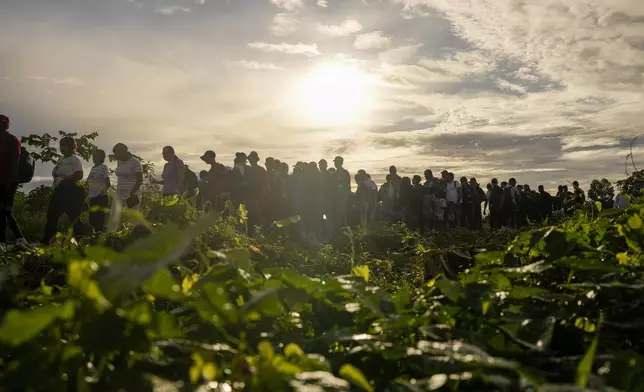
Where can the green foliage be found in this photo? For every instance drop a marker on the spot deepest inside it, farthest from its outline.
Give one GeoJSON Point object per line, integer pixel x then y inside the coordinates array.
{"type": "Point", "coordinates": [193, 303]}
{"type": "Point", "coordinates": [47, 149]}
{"type": "Point", "coordinates": [601, 191]}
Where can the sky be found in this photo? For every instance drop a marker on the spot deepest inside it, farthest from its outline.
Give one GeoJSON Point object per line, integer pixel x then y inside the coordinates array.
{"type": "Point", "coordinates": [547, 91]}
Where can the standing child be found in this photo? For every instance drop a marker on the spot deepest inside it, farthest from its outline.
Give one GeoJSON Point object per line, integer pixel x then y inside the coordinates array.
{"type": "Point", "coordinates": [98, 182]}
{"type": "Point", "coordinates": [69, 196]}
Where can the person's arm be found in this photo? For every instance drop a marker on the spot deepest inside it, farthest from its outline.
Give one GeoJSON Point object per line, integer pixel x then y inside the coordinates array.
{"type": "Point", "coordinates": [138, 172]}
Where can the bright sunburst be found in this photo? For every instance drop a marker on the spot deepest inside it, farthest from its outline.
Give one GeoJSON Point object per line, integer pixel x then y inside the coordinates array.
{"type": "Point", "coordinates": [334, 94]}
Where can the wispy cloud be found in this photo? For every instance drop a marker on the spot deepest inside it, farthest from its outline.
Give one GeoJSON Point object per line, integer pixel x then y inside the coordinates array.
{"type": "Point", "coordinates": [323, 3]}
{"type": "Point", "coordinates": [348, 27]}
{"type": "Point", "coordinates": [299, 48]}
{"type": "Point", "coordinates": [284, 24]}
{"type": "Point", "coordinates": [257, 66]}
{"type": "Point", "coordinates": [372, 40]}
{"type": "Point", "coordinates": [289, 5]}
{"type": "Point", "coordinates": [172, 10]}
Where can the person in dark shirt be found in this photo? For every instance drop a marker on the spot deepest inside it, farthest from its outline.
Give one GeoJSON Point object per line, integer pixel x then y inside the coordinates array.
{"type": "Point", "coordinates": [342, 184]}
{"type": "Point", "coordinates": [418, 193]}
{"type": "Point", "coordinates": [404, 199]}
{"type": "Point", "coordinates": [478, 197]}
{"type": "Point", "coordinates": [257, 179]}
{"type": "Point", "coordinates": [467, 203]}
{"type": "Point", "coordinates": [579, 195]}
{"type": "Point", "coordinates": [218, 182]}
{"type": "Point", "coordinates": [545, 203]}
{"type": "Point", "coordinates": [10, 151]}
{"type": "Point", "coordinates": [496, 204]}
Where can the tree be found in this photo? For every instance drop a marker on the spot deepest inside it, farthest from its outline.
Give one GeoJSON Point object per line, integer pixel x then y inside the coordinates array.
{"type": "Point", "coordinates": [632, 185]}
{"type": "Point", "coordinates": [601, 191]}
{"type": "Point", "coordinates": [47, 149]}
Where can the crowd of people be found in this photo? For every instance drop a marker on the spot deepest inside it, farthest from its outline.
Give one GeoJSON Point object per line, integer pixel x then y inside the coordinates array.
{"type": "Point", "coordinates": [320, 195]}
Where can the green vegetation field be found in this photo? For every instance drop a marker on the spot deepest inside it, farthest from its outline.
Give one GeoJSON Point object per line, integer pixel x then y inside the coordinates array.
{"type": "Point", "coordinates": [189, 304]}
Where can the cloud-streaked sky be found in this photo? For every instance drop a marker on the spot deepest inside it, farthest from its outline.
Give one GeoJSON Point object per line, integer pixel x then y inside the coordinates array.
{"type": "Point", "coordinates": [547, 91]}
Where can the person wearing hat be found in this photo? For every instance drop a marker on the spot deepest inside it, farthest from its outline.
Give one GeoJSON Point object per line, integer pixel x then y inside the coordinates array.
{"type": "Point", "coordinates": [217, 181]}
{"type": "Point", "coordinates": [342, 182]}
{"type": "Point", "coordinates": [10, 151]}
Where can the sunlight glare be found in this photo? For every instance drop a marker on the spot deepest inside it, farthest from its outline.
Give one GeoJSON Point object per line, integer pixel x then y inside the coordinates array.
{"type": "Point", "coordinates": [334, 94]}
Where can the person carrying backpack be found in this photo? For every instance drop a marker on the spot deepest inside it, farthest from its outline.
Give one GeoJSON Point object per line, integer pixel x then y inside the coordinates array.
{"type": "Point", "coordinates": [10, 161]}
{"type": "Point", "coordinates": [174, 173]}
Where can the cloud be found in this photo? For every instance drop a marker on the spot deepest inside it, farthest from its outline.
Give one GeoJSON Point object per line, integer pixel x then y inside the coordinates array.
{"type": "Point", "coordinates": [172, 10]}
{"type": "Point", "coordinates": [400, 55]}
{"type": "Point", "coordinates": [348, 27]}
{"type": "Point", "coordinates": [289, 5]}
{"type": "Point", "coordinates": [300, 48]}
{"type": "Point", "coordinates": [323, 3]}
{"type": "Point", "coordinates": [254, 65]}
{"type": "Point", "coordinates": [372, 40]}
{"type": "Point", "coordinates": [284, 24]}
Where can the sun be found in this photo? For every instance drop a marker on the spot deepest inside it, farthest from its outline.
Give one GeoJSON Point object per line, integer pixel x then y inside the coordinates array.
{"type": "Point", "coordinates": [333, 95]}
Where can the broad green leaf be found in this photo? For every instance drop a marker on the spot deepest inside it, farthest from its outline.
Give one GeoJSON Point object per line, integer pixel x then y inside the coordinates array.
{"type": "Point", "coordinates": [265, 350]}
{"type": "Point", "coordinates": [355, 377]}
{"type": "Point", "coordinates": [19, 326]}
{"type": "Point", "coordinates": [288, 221]}
{"type": "Point", "coordinates": [241, 258]}
{"type": "Point", "coordinates": [361, 271]}
{"type": "Point", "coordinates": [451, 289]}
{"type": "Point", "coordinates": [293, 350]}
{"type": "Point", "coordinates": [586, 365]}
{"type": "Point", "coordinates": [209, 371]}
{"type": "Point", "coordinates": [163, 285]}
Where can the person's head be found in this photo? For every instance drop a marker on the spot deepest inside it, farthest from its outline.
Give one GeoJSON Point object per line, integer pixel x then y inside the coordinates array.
{"type": "Point", "coordinates": [253, 158]}
{"type": "Point", "coordinates": [5, 123]}
{"type": "Point", "coordinates": [67, 146]}
{"type": "Point", "coordinates": [363, 174]}
{"type": "Point", "coordinates": [406, 181]}
{"type": "Point", "coordinates": [209, 157]}
{"type": "Point", "coordinates": [392, 170]}
{"type": "Point", "coordinates": [338, 162]}
{"type": "Point", "coordinates": [121, 152]}
{"type": "Point", "coordinates": [512, 182]}
{"type": "Point", "coordinates": [168, 153]}
{"type": "Point", "coordinates": [284, 168]}
{"type": "Point", "coordinates": [463, 180]}
{"type": "Point", "coordinates": [560, 188]}
{"type": "Point", "coordinates": [269, 162]}
{"type": "Point", "coordinates": [575, 184]}
{"type": "Point", "coordinates": [540, 188]}
{"type": "Point", "coordinates": [388, 178]}
{"type": "Point", "coordinates": [323, 165]}
{"type": "Point", "coordinates": [332, 170]}
{"type": "Point", "coordinates": [504, 184]}
{"type": "Point", "coordinates": [98, 157]}
{"type": "Point", "coordinates": [444, 175]}
{"type": "Point", "coordinates": [203, 175]}
{"type": "Point", "coordinates": [489, 186]}
{"type": "Point", "coordinates": [428, 174]}
{"type": "Point", "coordinates": [495, 181]}
{"type": "Point", "coordinates": [416, 180]}
{"type": "Point", "coordinates": [473, 182]}
{"type": "Point", "coordinates": [526, 188]}
{"type": "Point", "coordinates": [565, 188]}
{"type": "Point", "coordinates": [357, 178]}
{"type": "Point", "coordinates": [450, 176]}
{"type": "Point", "coordinates": [241, 158]}
{"type": "Point", "coordinates": [520, 187]}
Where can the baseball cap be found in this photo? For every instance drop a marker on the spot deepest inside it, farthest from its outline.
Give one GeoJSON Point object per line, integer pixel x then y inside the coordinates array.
{"type": "Point", "coordinates": [208, 155]}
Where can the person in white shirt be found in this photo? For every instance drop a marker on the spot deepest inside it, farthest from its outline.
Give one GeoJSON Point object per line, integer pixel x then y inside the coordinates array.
{"type": "Point", "coordinates": [129, 177]}
{"type": "Point", "coordinates": [453, 198]}
{"type": "Point", "coordinates": [98, 182]}
{"type": "Point", "coordinates": [69, 196]}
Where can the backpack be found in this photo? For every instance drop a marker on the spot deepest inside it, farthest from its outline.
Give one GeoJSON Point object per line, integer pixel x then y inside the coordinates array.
{"type": "Point", "coordinates": [26, 167]}
{"type": "Point", "coordinates": [496, 197]}
{"type": "Point", "coordinates": [191, 182]}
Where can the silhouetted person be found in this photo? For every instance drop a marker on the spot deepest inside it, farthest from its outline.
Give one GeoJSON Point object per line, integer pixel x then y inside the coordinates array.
{"type": "Point", "coordinates": [342, 184]}
{"type": "Point", "coordinates": [545, 203]}
{"type": "Point", "coordinates": [98, 182]}
{"type": "Point", "coordinates": [467, 203]}
{"type": "Point", "coordinates": [129, 177]}
{"type": "Point", "coordinates": [496, 204]}
{"type": "Point", "coordinates": [478, 197]}
{"type": "Point", "coordinates": [218, 181]}
{"type": "Point", "coordinates": [174, 173]}
{"type": "Point", "coordinates": [257, 179]}
{"type": "Point", "coordinates": [10, 152]}
{"type": "Point", "coordinates": [418, 193]}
